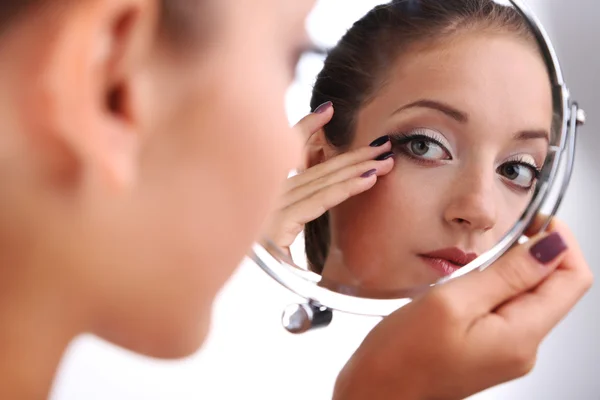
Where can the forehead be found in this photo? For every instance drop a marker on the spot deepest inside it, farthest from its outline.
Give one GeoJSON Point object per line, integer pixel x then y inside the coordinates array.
{"type": "Point", "coordinates": [490, 77]}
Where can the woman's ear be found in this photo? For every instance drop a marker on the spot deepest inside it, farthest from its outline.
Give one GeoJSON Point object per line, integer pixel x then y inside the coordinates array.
{"type": "Point", "coordinates": [89, 99]}
{"type": "Point", "coordinates": [317, 150]}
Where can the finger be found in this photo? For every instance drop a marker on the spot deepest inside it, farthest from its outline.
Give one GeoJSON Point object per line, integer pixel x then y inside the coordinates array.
{"type": "Point", "coordinates": [380, 168]}
{"type": "Point", "coordinates": [540, 310]}
{"type": "Point", "coordinates": [536, 224]}
{"type": "Point", "coordinates": [518, 271]}
{"type": "Point", "coordinates": [317, 204]}
{"type": "Point", "coordinates": [311, 123]}
{"type": "Point", "coordinates": [313, 149]}
{"type": "Point", "coordinates": [338, 162]}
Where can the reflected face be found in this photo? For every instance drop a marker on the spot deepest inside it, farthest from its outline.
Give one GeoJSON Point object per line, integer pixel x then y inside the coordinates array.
{"type": "Point", "coordinates": [470, 121]}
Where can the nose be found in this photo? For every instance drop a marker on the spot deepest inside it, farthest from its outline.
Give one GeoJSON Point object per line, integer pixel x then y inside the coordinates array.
{"type": "Point", "coordinates": [472, 203]}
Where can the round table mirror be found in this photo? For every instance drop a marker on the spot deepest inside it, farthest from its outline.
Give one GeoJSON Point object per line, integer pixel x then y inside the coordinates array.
{"type": "Point", "coordinates": [470, 129]}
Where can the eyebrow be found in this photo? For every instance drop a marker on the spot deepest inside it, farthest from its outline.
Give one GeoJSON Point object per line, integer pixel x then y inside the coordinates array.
{"type": "Point", "coordinates": [450, 111]}
{"type": "Point", "coordinates": [535, 134]}
{"type": "Point", "coordinates": [463, 118]}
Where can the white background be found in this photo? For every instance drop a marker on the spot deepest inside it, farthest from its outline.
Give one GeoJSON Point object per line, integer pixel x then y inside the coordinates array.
{"type": "Point", "coordinates": [249, 356]}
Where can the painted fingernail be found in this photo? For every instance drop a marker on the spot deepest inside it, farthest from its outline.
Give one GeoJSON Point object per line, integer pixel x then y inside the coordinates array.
{"type": "Point", "coordinates": [548, 248]}
{"type": "Point", "coordinates": [384, 156]}
{"type": "Point", "coordinates": [323, 107]}
{"type": "Point", "coordinates": [369, 173]}
{"type": "Point", "coordinates": [380, 141]}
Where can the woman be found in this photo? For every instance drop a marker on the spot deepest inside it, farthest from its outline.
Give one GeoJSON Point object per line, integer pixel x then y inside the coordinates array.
{"type": "Point", "coordinates": [462, 92]}
{"type": "Point", "coordinates": [128, 125]}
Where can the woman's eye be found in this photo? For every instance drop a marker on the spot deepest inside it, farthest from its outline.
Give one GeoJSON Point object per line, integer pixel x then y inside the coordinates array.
{"type": "Point", "coordinates": [427, 149]}
{"type": "Point", "coordinates": [521, 175]}
{"type": "Point", "coordinates": [422, 145]}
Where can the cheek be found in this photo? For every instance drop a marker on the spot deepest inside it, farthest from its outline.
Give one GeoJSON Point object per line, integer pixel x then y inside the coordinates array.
{"type": "Point", "coordinates": [211, 177]}
{"type": "Point", "coordinates": [261, 147]}
{"type": "Point", "coordinates": [399, 206]}
{"type": "Point", "coordinates": [252, 151]}
{"type": "Point", "coordinates": [510, 207]}
{"type": "Point", "coordinates": [381, 229]}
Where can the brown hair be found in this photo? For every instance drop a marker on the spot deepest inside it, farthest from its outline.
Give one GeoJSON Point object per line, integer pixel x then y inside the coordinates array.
{"type": "Point", "coordinates": [355, 69]}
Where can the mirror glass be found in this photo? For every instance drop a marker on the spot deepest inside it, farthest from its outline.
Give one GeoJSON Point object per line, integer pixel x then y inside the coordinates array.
{"type": "Point", "coordinates": [444, 117]}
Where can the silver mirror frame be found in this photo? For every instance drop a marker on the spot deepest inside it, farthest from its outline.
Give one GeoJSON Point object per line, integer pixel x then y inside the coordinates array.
{"type": "Point", "coordinates": [324, 298]}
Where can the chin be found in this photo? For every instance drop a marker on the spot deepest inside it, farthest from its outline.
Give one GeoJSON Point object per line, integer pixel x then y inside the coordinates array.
{"type": "Point", "coordinates": [182, 344]}
{"type": "Point", "coordinates": [168, 341]}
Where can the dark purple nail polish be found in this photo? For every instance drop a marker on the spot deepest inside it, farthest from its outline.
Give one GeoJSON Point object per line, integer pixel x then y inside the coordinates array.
{"type": "Point", "coordinates": [369, 173]}
{"type": "Point", "coordinates": [384, 156]}
{"type": "Point", "coordinates": [323, 107]}
{"type": "Point", "coordinates": [548, 248]}
{"type": "Point", "coordinates": [380, 141]}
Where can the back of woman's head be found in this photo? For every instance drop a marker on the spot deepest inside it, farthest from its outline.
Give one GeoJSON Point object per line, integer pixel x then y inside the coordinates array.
{"type": "Point", "coordinates": [356, 68]}
{"type": "Point", "coordinates": [174, 14]}
{"type": "Point", "coordinates": [120, 131]}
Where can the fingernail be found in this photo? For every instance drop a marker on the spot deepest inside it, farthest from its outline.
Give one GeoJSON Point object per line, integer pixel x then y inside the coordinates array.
{"type": "Point", "coordinates": [548, 248]}
{"type": "Point", "coordinates": [380, 141]}
{"type": "Point", "coordinates": [369, 173]}
{"type": "Point", "coordinates": [323, 107]}
{"type": "Point", "coordinates": [384, 156]}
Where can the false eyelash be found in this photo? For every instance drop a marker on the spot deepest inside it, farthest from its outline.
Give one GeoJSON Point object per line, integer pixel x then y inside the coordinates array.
{"type": "Point", "coordinates": [400, 139]}
{"type": "Point", "coordinates": [520, 160]}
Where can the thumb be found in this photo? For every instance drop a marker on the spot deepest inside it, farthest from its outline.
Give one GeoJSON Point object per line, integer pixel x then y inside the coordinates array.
{"type": "Point", "coordinates": [518, 271]}
{"type": "Point", "coordinates": [314, 121]}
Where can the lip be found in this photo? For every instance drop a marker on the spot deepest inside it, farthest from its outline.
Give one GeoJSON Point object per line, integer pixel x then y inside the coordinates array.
{"type": "Point", "coordinates": [447, 261]}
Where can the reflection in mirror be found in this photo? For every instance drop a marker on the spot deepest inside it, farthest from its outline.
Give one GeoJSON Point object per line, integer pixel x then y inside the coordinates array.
{"type": "Point", "coordinates": [441, 120]}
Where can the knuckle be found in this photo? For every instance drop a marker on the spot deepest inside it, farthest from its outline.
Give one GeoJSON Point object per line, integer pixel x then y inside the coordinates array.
{"type": "Point", "coordinates": [587, 278]}
{"type": "Point", "coordinates": [443, 306]}
{"type": "Point", "coordinates": [522, 359]}
{"type": "Point", "coordinates": [302, 126]}
{"type": "Point", "coordinates": [338, 194]}
{"type": "Point", "coordinates": [358, 169]}
{"type": "Point", "coordinates": [322, 181]}
{"type": "Point", "coordinates": [515, 274]}
{"type": "Point", "coordinates": [556, 224]}
{"type": "Point", "coordinates": [360, 153]}
{"type": "Point", "coordinates": [350, 189]}
{"type": "Point", "coordinates": [320, 209]}
{"type": "Point", "coordinates": [340, 161]}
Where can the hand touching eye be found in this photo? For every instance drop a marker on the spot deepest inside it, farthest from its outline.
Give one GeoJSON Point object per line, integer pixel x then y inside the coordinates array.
{"type": "Point", "coordinates": [320, 187]}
